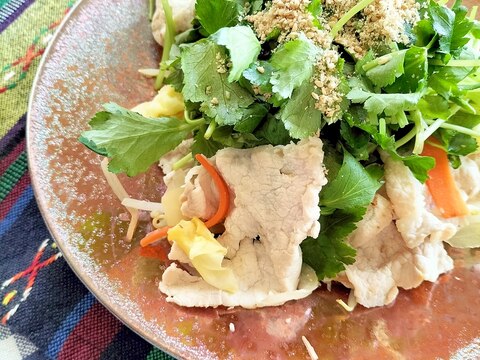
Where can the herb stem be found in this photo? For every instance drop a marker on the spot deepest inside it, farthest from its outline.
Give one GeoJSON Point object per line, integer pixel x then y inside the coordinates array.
{"type": "Point", "coordinates": [382, 60]}
{"type": "Point", "coordinates": [351, 13]}
{"type": "Point", "coordinates": [187, 119]}
{"type": "Point", "coordinates": [151, 9]}
{"type": "Point", "coordinates": [455, 63]}
{"type": "Point", "coordinates": [409, 136]}
{"type": "Point", "coordinates": [420, 125]}
{"type": "Point", "coordinates": [167, 42]}
{"type": "Point", "coordinates": [473, 13]}
{"type": "Point", "coordinates": [211, 128]}
{"type": "Point", "coordinates": [430, 44]}
{"type": "Point", "coordinates": [457, 128]}
{"type": "Point", "coordinates": [184, 161]}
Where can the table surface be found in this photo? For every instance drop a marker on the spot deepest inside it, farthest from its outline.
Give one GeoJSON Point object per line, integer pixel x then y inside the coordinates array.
{"type": "Point", "coordinates": [46, 312]}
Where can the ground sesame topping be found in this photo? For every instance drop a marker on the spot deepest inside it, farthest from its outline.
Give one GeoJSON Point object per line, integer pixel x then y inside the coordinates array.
{"type": "Point", "coordinates": [290, 18]}
{"type": "Point", "coordinates": [379, 23]}
{"type": "Point", "coordinates": [327, 82]}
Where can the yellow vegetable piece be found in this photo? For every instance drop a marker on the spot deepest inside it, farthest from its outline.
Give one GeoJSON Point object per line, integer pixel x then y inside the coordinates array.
{"type": "Point", "coordinates": [205, 253]}
{"type": "Point", "coordinates": [166, 103]}
{"type": "Point", "coordinates": [171, 199]}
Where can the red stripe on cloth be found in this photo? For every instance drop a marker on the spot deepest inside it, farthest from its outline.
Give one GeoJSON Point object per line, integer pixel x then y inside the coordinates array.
{"type": "Point", "coordinates": [12, 156]}
{"type": "Point", "coordinates": [14, 195]}
{"type": "Point", "coordinates": [94, 332]}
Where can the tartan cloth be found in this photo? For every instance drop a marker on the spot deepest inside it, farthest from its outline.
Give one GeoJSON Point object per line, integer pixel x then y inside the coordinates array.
{"type": "Point", "coordinates": [46, 312]}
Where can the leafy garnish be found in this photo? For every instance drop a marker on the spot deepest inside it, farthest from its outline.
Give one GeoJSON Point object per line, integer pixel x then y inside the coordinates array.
{"type": "Point", "coordinates": [299, 115]}
{"type": "Point", "coordinates": [390, 104]}
{"type": "Point", "coordinates": [243, 46]}
{"type": "Point", "coordinates": [132, 141]}
{"type": "Point", "coordinates": [216, 14]}
{"type": "Point", "coordinates": [344, 200]}
{"type": "Point", "coordinates": [293, 64]}
{"type": "Point", "coordinates": [205, 81]}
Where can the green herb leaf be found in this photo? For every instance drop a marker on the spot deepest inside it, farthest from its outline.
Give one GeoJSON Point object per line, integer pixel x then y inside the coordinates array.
{"type": "Point", "coordinates": [329, 253]}
{"type": "Point", "coordinates": [274, 132]}
{"type": "Point", "coordinates": [243, 46]}
{"type": "Point", "coordinates": [390, 104]}
{"type": "Point", "coordinates": [259, 74]}
{"type": "Point", "coordinates": [252, 117]}
{"type": "Point", "coordinates": [384, 70]}
{"type": "Point", "coordinates": [299, 115]}
{"type": "Point", "coordinates": [415, 72]}
{"type": "Point", "coordinates": [132, 141]}
{"type": "Point", "coordinates": [353, 186]}
{"type": "Point", "coordinates": [203, 146]}
{"type": "Point", "coordinates": [216, 14]}
{"type": "Point", "coordinates": [221, 100]}
{"type": "Point", "coordinates": [293, 63]}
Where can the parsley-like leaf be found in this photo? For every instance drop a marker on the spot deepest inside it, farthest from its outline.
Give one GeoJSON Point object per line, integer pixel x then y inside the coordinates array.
{"type": "Point", "coordinates": [329, 253]}
{"type": "Point", "coordinates": [390, 104]}
{"type": "Point", "coordinates": [351, 188]}
{"type": "Point", "coordinates": [216, 14]}
{"type": "Point", "coordinates": [293, 63]}
{"type": "Point", "coordinates": [221, 100]}
{"type": "Point", "coordinates": [132, 141]}
{"type": "Point", "coordinates": [384, 70]}
{"type": "Point", "coordinates": [299, 115]}
{"type": "Point", "coordinates": [243, 46]}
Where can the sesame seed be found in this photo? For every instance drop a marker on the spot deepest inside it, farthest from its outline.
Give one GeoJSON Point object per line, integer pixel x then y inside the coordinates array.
{"type": "Point", "coordinates": [214, 101]}
{"type": "Point", "coordinates": [261, 69]}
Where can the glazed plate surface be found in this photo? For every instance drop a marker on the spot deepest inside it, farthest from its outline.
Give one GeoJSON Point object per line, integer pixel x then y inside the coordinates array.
{"type": "Point", "coordinates": [93, 60]}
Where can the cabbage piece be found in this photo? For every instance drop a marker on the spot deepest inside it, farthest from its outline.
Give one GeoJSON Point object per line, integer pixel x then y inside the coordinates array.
{"type": "Point", "coordinates": [167, 102]}
{"type": "Point", "coordinates": [467, 237]}
{"type": "Point", "coordinates": [205, 253]}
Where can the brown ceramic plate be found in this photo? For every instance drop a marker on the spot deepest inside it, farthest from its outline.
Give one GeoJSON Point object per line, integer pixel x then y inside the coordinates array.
{"type": "Point", "coordinates": [93, 60]}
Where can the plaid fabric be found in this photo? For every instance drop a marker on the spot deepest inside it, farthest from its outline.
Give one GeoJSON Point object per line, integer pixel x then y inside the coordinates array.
{"type": "Point", "coordinates": [46, 313]}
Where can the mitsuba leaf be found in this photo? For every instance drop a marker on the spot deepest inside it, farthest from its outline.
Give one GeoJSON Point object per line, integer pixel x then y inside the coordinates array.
{"type": "Point", "coordinates": [132, 141]}
{"type": "Point", "coordinates": [203, 146]}
{"type": "Point", "coordinates": [274, 132]}
{"type": "Point", "coordinates": [415, 72]}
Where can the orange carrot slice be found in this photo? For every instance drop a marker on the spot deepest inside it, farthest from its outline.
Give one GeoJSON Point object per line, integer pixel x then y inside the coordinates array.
{"type": "Point", "coordinates": [219, 216]}
{"type": "Point", "coordinates": [441, 184]}
{"type": "Point", "coordinates": [224, 193]}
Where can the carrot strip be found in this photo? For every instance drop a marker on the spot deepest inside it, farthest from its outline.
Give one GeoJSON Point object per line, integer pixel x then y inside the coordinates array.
{"type": "Point", "coordinates": [223, 192]}
{"type": "Point", "coordinates": [154, 236]}
{"type": "Point", "coordinates": [219, 216]}
{"type": "Point", "coordinates": [441, 184]}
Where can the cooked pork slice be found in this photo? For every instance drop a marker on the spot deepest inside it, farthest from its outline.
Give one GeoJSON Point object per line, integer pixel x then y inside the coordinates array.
{"type": "Point", "coordinates": [183, 12]}
{"type": "Point", "coordinates": [467, 177]}
{"type": "Point", "coordinates": [274, 207]}
{"type": "Point", "coordinates": [200, 197]}
{"type": "Point", "coordinates": [255, 281]}
{"type": "Point", "coordinates": [412, 205]}
{"type": "Point", "coordinates": [384, 263]}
